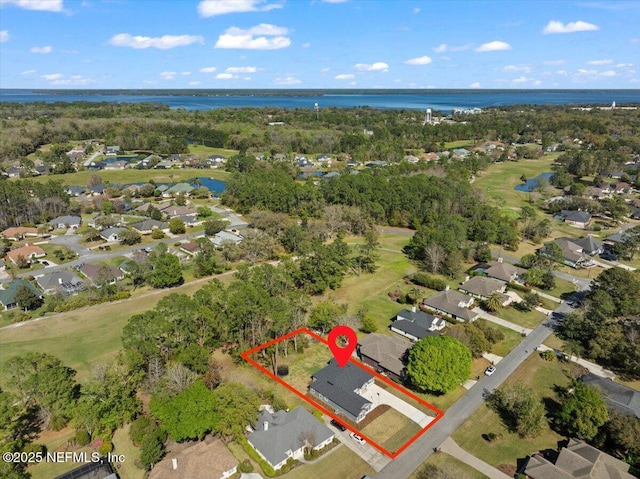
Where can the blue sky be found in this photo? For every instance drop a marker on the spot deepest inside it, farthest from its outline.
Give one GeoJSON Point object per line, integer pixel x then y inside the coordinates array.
{"type": "Point", "coordinates": [319, 44]}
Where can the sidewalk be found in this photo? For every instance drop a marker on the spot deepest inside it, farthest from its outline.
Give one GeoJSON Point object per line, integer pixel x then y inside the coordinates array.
{"type": "Point", "coordinates": [450, 447]}
{"type": "Point", "coordinates": [494, 319]}
{"type": "Point", "coordinates": [546, 296]}
{"type": "Point", "coordinates": [592, 367]}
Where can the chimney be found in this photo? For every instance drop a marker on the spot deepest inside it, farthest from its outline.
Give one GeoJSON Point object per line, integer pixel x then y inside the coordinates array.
{"type": "Point", "coordinates": [446, 288]}
{"type": "Point", "coordinates": [174, 462]}
{"type": "Point", "coordinates": [500, 259]}
{"type": "Point", "coordinates": [466, 278]}
{"type": "Point", "coordinates": [265, 425]}
{"type": "Point", "coordinates": [413, 309]}
{"type": "Point", "coordinates": [59, 280]}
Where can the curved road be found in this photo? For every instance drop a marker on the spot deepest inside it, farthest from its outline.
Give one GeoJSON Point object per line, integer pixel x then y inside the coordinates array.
{"type": "Point", "coordinates": [404, 465]}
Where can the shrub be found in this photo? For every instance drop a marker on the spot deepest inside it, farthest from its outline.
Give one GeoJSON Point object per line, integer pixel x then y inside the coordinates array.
{"type": "Point", "coordinates": [57, 423]}
{"type": "Point", "coordinates": [428, 281]}
{"type": "Point", "coordinates": [105, 448]}
{"type": "Point", "coordinates": [266, 467]}
{"type": "Point", "coordinates": [548, 355]}
{"type": "Point", "coordinates": [519, 287]}
{"type": "Point", "coordinates": [368, 325]}
{"type": "Point", "coordinates": [34, 447]}
{"type": "Point", "coordinates": [157, 234]}
{"type": "Point", "coordinates": [246, 466]}
{"type": "Point", "coordinates": [82, 437]}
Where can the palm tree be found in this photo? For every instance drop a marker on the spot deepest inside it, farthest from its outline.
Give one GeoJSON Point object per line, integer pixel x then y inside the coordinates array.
{"type": "Point", "coordinates": [494, 302]}
{"type": "Point", "coordinates": [573, 348]}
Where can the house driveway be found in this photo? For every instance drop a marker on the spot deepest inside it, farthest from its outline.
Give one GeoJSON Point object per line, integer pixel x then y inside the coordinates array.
{"type": "Point", "coordinates": [378, 396]}
{"type": "Point", "coordinates": [368, 453]}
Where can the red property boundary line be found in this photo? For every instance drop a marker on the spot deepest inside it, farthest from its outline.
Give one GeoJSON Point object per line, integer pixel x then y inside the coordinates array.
{"type": "Point", "coordinates": [439, 414]}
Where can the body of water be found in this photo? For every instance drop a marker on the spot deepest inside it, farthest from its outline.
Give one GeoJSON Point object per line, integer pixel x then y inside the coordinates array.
{"type": "Point", "coordinates": [532, 183]}
{"type": "Point", "coordinates": [441, 100]}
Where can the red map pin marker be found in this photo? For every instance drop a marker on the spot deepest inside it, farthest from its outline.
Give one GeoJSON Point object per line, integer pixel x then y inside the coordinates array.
{"type": "Point", "coordinates": [341, 353]}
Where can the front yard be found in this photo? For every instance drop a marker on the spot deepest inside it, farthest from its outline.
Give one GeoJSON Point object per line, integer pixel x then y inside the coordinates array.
{"type": "Point", "coordinates": [391, 429]}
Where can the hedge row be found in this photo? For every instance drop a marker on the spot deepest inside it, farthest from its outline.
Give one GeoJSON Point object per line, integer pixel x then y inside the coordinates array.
{"type": "Point", "coordinates": [423, 279]}
{"type": "Point", "coordinates": [519, 287]}
{"type": "Point", "coordinates": [266, 467]}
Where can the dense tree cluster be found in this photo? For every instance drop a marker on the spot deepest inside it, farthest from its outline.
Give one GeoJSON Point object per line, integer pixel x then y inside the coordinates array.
{"type": "Point", "coordinates": [520, 409]}
{"type": "Point", "coordinates": [26, 202]}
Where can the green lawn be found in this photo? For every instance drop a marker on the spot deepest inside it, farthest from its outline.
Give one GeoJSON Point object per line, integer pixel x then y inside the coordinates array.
{"type": "Point", "coordinates": [122, 445]}
{"type": "Point", "coordinates": [451, 466]}
{"type": "Point", "coordinates": [339, 463]}
{"type": "Point", "coordinates": [511, 339]}
{"type": "Point", "coordinates": [301, 367]}
{"type": "Point", "coordinates": [391, 430]}
{"type": "Point", "coordinates": [133, 175]}
{"type": "Point", "coordinates": [562, 287]}
{"type": "Point", "coordinates": [531, 319]}
{"type": "Point", "coordinates": [210, 150]}
{"type": "Point", "coordinates": [542, 377]}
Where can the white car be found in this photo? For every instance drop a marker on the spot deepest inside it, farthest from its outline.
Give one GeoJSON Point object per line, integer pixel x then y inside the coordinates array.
{"type": "Point", "coordinates": [489, 371]}
{"type": "Point", "coordinates": [357, 438]}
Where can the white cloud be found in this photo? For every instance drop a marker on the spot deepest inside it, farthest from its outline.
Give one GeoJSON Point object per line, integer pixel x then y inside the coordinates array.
{"type": "Point", "coordinates": [519, 80]}
{"type": "Point", "coordinates": [425, 60]}
{"type": "Point", "coordinates": [561, 72]}
{"type": "Point", "coordinates": [211, 8]}
{"type": "Point", "coordinates": [242, 69]}
{"type": "Point", "coordinates": [235, 37]}
{"type": "Point", "coordinates": [4, 36]}
{"type": "Point", "coordinates": [194, 83]}
{"type": "Point", "coordinates": [288, 80]}
{"type": "Point", "coordinates": [208, 69]}
{"type": "Point", "coordinates": [443, 47]}
{"type": "Point", "coordinates": [475, 85]}
{"type": "Point", "coordinates": [164, 42]}
{"type": "Point", "coordinates": [75, 80]}
{"type": "Point", "coordinates": [571, 27]}
{"type": "Point", "coordinates": [225, 76]}
{"type": "Point", "coordinates": [335, 1]}
{"type": "Point", "coordinates": [45, 5]}
{"type": "Point", "coordinates": [168, 75]}
{"type": "Point", "coordinates": [345, 76]}
{"type": "Point", "coordinates": [624, 65]}
{"type": "Point", "coordinates": [373, 67]}
{"type": "Point", "coordinates": [306, 45]}
{"type": "Point", "coordinates": [493, 46]}
{"type": "Point", "coordinates": [517, 68]}
{"type": "Point", "coordinates": [52, 76]}
{"type": "Point", "coordinates": [416, 10]}
{"type": "Point", "coordinates": [583, 71]}
{"type": "Point", "coordinates": [185, 73]}
{"type": "Point", "coordinates": [325, 70]}
{"type": "Point", "coordinates": [608, 73]}
{"type": "Point", "coordinates": [600, 62]}
{"type": "Point", "coordinates": [555, 62]}
{"type": "Point", "coordinates": [537, 83]}
{"type": "Point", "coordinates": [47, 49]}
{"type": "Point", "coordinates": [28, 72]}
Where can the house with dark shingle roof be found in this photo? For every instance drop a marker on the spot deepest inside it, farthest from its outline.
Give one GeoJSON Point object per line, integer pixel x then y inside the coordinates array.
{"type": "Point", "coordinates": [8, 292]}
{"type": "Point", "coordinates": [100, 274]}
{"type": "Point", "coordinates": [66, 222]}
{"type": "Point", "coordinates": [504, 271]}
{"type": "Point", "coordinates": [482, 287]}
{"type": "Point", "coordinates": [62, 282]}
{"type": "Point", "coordinates": [111, 234]}
{"type": "Point", "coordinates": [281, 435]}
{"type": "Point", "coordinates": [147, 226]}
{"type": "Point", "coordinates": [577, 219]}
{"type": "Point", "coordinates": [622, 398]}
{"type": "Point", "coordinates": [208, 459]}
{"type": "Point", "coordinates": [385, 354]}
{"type": "Point", "coordinates": [415, 324]}
{"type": "Point", "coordinates": [578, 460]}
{"type": "Point", "coordinates": [452, 304]}
{"type": "Point", "coordinates": [341, 388]}
{"type": "Point", "coordinates": [573, 254]}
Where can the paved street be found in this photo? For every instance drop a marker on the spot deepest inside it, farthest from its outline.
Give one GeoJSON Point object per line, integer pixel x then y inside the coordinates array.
{"type": "Point", "coordinates": [404, 465]}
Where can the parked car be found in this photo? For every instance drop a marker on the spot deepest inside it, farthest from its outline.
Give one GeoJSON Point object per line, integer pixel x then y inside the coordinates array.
{"type": "Point", "coordinates": [489, 371]}
{"type": "Point", "coordinates": [44, 263]}
{"type": "Point", "coordinates": [609, 255]}
{"type": "Point", "coordinates": [337, 425]}
{"type": "Point", "coordinates": [357, 438]}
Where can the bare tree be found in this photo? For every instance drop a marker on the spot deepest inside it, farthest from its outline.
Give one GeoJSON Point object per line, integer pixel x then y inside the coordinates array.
{"type": "Point", "coordinates": [179, 377]}
{"type": "Point", "coordinates": [434, 257]}
{"type": "Point", "coordinates": [308, 440]}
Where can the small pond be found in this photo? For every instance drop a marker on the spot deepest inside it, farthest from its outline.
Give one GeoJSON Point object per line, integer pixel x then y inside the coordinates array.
{"type": "Point", "coordinates": [532, 183]}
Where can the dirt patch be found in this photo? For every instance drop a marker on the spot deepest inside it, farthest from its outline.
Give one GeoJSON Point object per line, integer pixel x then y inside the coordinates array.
{"type": "Point", "coordinates": [508, 469]}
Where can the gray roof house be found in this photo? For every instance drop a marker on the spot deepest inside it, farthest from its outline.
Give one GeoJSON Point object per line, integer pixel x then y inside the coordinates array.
{"type": "Point", "coordinates": [385, 354]}
{"type": "Point", "coordinates": [224, 236]}
{"type": "Point", "coordinates": [483, 287]}
{"type": "Point", "coordinates": [8, 292]}
{"type": "Point", "coordinates": [415, 324]}
{"type": "Point", "coordinates": [279, 436]}
{"type": "Point", "coordinates": [111, 234]}
{"type": "Point", "coordinates": [578, 219]}
{"type": "Point", "coordinates": [452, 304]}
{"type": "Point", "coordinates": [147, 226]}
{"type": "Point", "coordinates": [341, 389]}
{"type": "Point", "coordinates": [622, 398]}
{"type": "Point", "coordinates": [66, 222]}
{"type": "Point", "coordinates": [504, 271]}
{"type": "Point", "coordinates": [578, 460]}
{"type": "Point", "coordinates": [589, 244]}
{"type": "Point", "coordinates": [184, 188]}
{"type": "Point", "coordinates": [573, 254]}
{"type": "Point", "coordinates": [63, 282]}
{"type": "Point", "coordinates": [99, 274]}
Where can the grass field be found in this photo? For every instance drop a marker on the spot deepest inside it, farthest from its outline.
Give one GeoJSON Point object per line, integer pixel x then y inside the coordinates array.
{"type": "Point", "coordinates": [339, 463]}
{"type": "Point", "coordinates": [451, 466]}
{"type": "Point", "coordinates": [531, 319]}
{"type": "Point", "coordinates": [203, 151]}
{"type": "Point", "coordinates": [132, 175]}
{"type": "Point", "coordinates": [542, 377]}
{"type": "Point", "coordinates": [391, 430]}
{"type": "Point", "coordinates": [302, 366]}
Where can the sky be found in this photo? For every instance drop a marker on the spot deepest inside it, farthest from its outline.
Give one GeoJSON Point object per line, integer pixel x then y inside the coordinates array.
{"type": "Point", "coordinates": [154, 44]}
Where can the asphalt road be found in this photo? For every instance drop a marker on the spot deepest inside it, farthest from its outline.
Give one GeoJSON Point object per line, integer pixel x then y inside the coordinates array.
{"type": "Point", "coordinates": [404, 465]}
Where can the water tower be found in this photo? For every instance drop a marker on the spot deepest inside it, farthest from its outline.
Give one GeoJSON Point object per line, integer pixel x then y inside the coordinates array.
{"type": "Point", "coordinates": [427, 117]}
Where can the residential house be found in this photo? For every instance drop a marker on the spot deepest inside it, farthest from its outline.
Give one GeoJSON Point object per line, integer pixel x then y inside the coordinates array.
{"type": "Point", "coordinates": [504, 271]}
{"type": "Point", "coordinates": [376, 164]}
{"type": "Point", "coordinates": [27, 251]}
{"type": "Point", "coordinates": [385, 354]}
{"type": "Point", "coordinates": [16, 233]}
{"type": "Point", "coordinates": [191, 248]}
{"type": "Point", "coordinates": [95, 165]}
{"type": "Point", "coordinates": [415, 324]}
{"type": "Point", "coordinates": [324, 159]}
{"type": "Point", "coordinates": [184, 188]}
{"type": "Point", "coordinates": [164, 165]}
{"type": "Point", "coordinates": [216, 161]}
{"type": "Point", "coordinates": [619, 397]}
{"type": "Point", "coordinates": [147, 226]}
{"type": "Point", "coordinates": [75, 190]}
{"type": "Point", "coordinates": [66, 222]}
{"type": "Point", "coordinates": [597, 193]}
{"type": "Point", "coordinates": [578, 460]}
{"type": "Point", "coordinates": [280, 157]}
{"type": "Point", "coordinates": [62, 282]}
{"type": "Point", "coordinates": [302, 162]}
{"type": "Point", "coordinates": [589, 244]}
{"type": "Point", "coordinates": [16, 172]}
{"type": "Point", "coordinates": [97, 189]}
{"type": "Point", "coordinates": [208, 459]}
{"type": "Point", "coordinates": [577, 219]}
{"type": "Point", "coordinates": [140, 258]}
{"type": "Point", "coordinates": [281, 435]}
{"type": "Point", "coordinates": [99, 274]}
{"type": "Point", "coordinates": [461, 153]}
{"type": "Point", "coordinates": [116, 165]}
{"type": "Point", "coordinates": [341, 389]}
{"type": "Point", "coordinates": [430, 156]}
{"type": "Point", "coordinates": [8, 292]}
{"type": "Point", "coordinates": [331, 175]}
{"type": "Point", "coordinates": [411, 159]}
{"type": "Point", "coordinates": [620, 237]}
{"type": "Point", "coordinates": [111, 234]}
{"type": "Point", "coordinates": [113, 150]}
{"type": "Point", "coordinates": [573, 254]}
{"type": "Point", "coordinates": [452, 304]}
{"type": "Point", "coordinates": [173, 211]}
{"type": "Point", "coordinates": [223, 237]}
{"type": "Point", "coordinates": [635, 212]}
{"type": "Point", "coordinates": [483, 287]}
{"type": "Point", "coordinates": [621, 188]}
